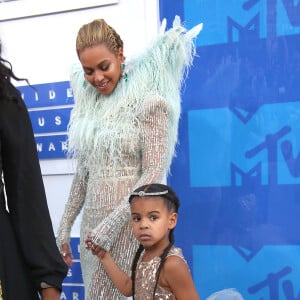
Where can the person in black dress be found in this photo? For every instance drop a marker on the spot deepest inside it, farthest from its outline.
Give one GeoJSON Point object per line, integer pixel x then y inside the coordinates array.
{"type": "Point", "coordinates": [31, 266]}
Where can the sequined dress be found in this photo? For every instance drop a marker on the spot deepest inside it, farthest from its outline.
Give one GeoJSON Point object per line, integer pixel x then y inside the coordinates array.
{"type": "Point", "coordinates": [122, 141]}
{"type": "Point", "coordinates": [146, 279]}
{"type": "Point", "coordinates": [103, 189]}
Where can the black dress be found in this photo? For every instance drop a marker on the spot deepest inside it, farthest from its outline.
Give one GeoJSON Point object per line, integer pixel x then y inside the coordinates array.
{"type": "Point", "coordinates": [28, 251]}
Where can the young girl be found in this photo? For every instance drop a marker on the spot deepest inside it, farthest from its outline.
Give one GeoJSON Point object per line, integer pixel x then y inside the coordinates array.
{"type": "Point", "coordinates": [159, 270]}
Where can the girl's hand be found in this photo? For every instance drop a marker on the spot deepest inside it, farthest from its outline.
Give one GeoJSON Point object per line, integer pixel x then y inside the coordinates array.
{"type": "Point", "coordinates": [67, 254]}
{"type": "Point", "coordinates": [95, 249]}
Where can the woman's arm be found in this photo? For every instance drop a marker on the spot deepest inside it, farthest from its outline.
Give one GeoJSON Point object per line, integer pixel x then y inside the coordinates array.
{"type": "Point", "coordinates": [50, 293]}
{"type": "Point", "coordinates": [72, 209]}
{"type": "Point", "coordinates": [79, 184]}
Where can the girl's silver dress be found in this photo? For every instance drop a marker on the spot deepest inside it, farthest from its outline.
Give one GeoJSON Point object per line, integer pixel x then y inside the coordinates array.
{"type": "Point", "coordinates": [146, 279]}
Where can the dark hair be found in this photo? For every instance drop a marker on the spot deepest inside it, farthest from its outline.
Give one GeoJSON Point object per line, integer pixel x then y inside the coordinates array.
{"type": "Point", "coordinates": [6, 74]}
{"type": "Point", "coordinates": [172, 202]}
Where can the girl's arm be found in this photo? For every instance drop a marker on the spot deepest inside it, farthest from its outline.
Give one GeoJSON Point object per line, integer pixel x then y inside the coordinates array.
{"type": "Point", "coordinates": [119, 278]}
{"type": "Point", "coordinates": [176, 277]}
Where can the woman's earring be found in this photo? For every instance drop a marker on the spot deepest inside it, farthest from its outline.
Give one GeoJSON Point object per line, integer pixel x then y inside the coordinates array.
{"type": "Point", "coordinates": [124, 74]}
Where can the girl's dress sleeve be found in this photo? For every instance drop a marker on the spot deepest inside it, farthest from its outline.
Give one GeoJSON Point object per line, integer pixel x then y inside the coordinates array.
{"type": "Point", "coordinates": [154, 166]}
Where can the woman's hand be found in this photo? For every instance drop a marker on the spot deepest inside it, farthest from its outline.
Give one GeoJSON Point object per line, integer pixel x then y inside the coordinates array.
{"type": "Point", "coordinates": [50, 293]}
{"type": "Point", "coordinates": [67, 254]}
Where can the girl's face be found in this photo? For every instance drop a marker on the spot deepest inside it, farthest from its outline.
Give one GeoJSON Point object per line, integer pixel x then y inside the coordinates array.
{"type": "Point", "coordinates": [151, 222]}
{"type": "Point", "coordinates": [102, 67]}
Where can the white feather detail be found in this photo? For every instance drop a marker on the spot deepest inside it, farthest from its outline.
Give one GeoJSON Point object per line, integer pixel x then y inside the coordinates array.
{"type": "Point", "coordinates": [101, 124]}
{"type": "Point", "coordinates": [162, 28]}
{"type": "Point", "coordinates": [194, 31]}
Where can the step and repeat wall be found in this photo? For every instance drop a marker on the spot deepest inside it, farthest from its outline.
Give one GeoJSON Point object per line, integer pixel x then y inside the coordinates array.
{"type": "Point", "coordinates": [237, 169]}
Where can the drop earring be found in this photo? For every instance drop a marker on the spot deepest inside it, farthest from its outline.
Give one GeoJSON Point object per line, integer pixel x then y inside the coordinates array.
{"type": "Point", "coordinates": [124, 74]}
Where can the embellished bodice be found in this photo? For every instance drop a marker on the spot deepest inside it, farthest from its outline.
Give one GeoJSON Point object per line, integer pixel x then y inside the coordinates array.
{"type": "Point", "coordinates": [146, 279]}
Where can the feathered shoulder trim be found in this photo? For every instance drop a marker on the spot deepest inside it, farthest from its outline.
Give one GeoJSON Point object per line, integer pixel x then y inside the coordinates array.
{"type": "Point", "coordinates": [165, 62]}
{"type": "Point", "coordinates": [155, 74]}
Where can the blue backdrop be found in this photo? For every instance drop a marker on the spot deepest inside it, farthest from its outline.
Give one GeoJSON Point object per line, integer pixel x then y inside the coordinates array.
{"type": "Point", "coordinates": [237, 170]}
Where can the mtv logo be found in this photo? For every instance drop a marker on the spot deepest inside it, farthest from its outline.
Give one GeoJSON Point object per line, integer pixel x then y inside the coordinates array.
{"type": "Point", "coordinates": [271, 274]}
{"type": "Point", "coordinates": [240, 177]}
{"type": "Point", "coordinates": [288, 17]}
{"type": "Point", "coordinates": [225, 21]}
{"type": "Point", "coordinates": [237, 32]}
{"type": "Point", "coordinates": [235, 20]}
{"type": "Point", "coordinates": [225, 150]}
